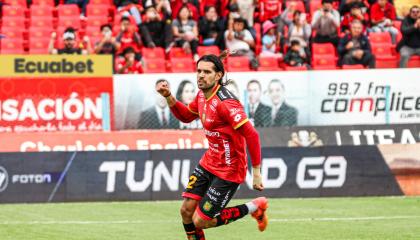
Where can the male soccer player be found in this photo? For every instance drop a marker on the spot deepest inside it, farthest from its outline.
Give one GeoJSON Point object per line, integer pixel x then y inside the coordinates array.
{"type": "Point", "coordinates": [224, 165]}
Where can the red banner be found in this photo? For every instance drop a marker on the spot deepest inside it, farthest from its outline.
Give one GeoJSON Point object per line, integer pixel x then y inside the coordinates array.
{"type": "Point", "coordinates": [55, 104]}
{"type": "Point", "coordinates": [93, 141]}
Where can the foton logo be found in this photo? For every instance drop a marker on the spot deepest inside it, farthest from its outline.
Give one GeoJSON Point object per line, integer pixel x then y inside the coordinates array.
{"type": "Point", "coordinates": [4, 179]}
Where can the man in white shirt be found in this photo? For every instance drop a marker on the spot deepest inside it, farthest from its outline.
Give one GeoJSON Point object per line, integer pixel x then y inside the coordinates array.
{"type": "Point", "coordinates": [326, 22]}
{"type": "Point", "coordinates": [240, 41]}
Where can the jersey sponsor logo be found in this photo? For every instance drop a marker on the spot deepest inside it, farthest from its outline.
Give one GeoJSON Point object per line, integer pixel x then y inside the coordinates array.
{"type": "Point", "coordinates": [4, 179]}
{"type": "Point", "coordinates": [237, 117]}
{"type": "Point", "coordinates": [211, 134]}
{"type": "Point", "coordinates": [207, 206]}
{"type": "Point", "coordinates": [225, 94]}
{"type": "Point", "coordinates": [227, 152]}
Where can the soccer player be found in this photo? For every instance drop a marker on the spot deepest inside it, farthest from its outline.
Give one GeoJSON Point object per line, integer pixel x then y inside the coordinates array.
{"type": "Point", "coordinates": [223, 167]}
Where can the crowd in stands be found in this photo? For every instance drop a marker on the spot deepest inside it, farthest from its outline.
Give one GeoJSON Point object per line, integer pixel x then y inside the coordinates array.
{"type": "Point", "coordinates": [170, 35]}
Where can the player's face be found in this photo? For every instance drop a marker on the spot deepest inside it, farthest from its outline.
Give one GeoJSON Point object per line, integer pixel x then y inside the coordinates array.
{"type": "Point", "coordinates": [188, 93]}
{"type": "Point", "coordinates": [276, 93]}
{"type": "Point", "coordinates": [254, 93]}
{"type": "Point", "coordinates": [206, 75]}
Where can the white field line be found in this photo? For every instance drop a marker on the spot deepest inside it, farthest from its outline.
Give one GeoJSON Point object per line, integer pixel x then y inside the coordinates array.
{"type": "Point", "coordinates": [326, 219]}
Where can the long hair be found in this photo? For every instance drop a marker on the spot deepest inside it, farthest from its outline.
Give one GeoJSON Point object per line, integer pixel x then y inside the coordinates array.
{"type": "Point", "coordinates": [218, 64]}
{"type": "Point", "coordinates": [181, 89]}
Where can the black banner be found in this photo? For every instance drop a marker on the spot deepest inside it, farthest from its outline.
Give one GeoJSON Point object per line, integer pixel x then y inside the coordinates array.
{"type": "Point", "coordinates": [340, 135]}
{"type": "Point", "coordinates": [160, 175]}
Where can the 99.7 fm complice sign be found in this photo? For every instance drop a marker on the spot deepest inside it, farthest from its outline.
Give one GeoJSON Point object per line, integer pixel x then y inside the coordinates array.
{"type": "Point", "coordinates": [160, 174]}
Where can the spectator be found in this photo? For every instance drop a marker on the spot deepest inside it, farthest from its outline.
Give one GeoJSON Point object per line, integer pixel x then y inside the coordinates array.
{"type": "Point", "coordinates": [128, 37]}
{"type": "Point", "coordinates": [185, 32]}
{"type": "Point", "coordinates": [410, 43]}
{"type": "Point", "coordinates": [246, 10]}
{"type": "Point", "coordinates": [69, 40]}
{"type": "Point", "coordinates": [382, 14]}
{"type": "Point", "coordinates": [130, 7]}
{"type": "Point", "coordinates": [282, 114]}
{"type": "Point", "coordinates": [128, 64]}
{"type": "Point", "coordinates": [211, 27]}
{"type": "Point", "coordinates": [186, 93]}
{"type": "Point", "coordinates": [299, 29]}
{"type": "Point", "coordinates": [192, 5]}
{"type": "Point", "coordinates": [295, 56]}
{"type": "Point", "coordinates": [325, 22]}
{"type": "Point", "coordinates": [158, 116]}
{"type": "Point", "coordinates": [163, 7]}
{"type": "Point", "coordinates": [270, 40]}
{"type": "Point", "coordinates": [354, 47]}
{"type": "Point", "coordinates": [240, 41]}
{"type": "Point", "coordinates": [346, 5]}
{"type": "Point", "coordinates": [108, 44]}
{"type": "Point", "coordinates": [356, 12]}
{"type": "Point", "coordinates": [156, 32]}
{"type": "Point", "coordinates": [258, 113]}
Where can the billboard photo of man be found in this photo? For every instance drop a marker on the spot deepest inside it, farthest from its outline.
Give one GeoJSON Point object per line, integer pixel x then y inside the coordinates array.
{"type": "Point", "coordinates": [282, 114]}
{"type": "Point", "coordinates": [258, 113]}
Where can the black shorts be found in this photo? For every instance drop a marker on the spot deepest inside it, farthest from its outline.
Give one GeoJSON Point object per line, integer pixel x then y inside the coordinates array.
{"type": "Point", "coordinates": [212, 192]}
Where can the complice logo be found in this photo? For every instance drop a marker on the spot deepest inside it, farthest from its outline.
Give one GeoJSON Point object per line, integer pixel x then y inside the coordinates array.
{"type": "Point", "coordinates": [4, 179]}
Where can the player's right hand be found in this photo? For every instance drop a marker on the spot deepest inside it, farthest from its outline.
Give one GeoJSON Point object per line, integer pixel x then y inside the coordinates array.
{"type": "Point", "coordinates": [163, 89]}
{"type": "Point", "coordinates": [257, 179]}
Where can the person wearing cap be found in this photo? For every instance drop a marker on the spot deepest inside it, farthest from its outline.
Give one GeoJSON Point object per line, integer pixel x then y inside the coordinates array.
{"type": "Point", "coordinates": [69, 42]}
{"type": "Point", "coordinates": [128, 63]}
{"type": "Point", "coordinates": [325, 22]}
{"type": "Point", "coordinates": [240, 41]}
{"type": "Point", "coordinates": [270, 40]}
{"type": "Point", "coordinates": [356, 13]}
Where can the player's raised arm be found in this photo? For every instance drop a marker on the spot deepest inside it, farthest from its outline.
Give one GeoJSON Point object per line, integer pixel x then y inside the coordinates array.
{"type": "Point", "coordinates": [179, 110]}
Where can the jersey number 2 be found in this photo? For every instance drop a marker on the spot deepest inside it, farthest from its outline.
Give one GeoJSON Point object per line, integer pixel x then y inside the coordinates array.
{"type": "Point", "coordinates": [193, 179]}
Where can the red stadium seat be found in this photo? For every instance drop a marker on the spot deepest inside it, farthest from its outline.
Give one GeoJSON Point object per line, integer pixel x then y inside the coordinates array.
{"type": "Point", "coordinates": [13, 46]}
{"type": "Point", "coordinates": [204, 50]}
{"type": "Point", "coordinates": [97, 10]}
{"type": "Point", "coordinates": [290, 68]}
{"type": "Point", "coordinates": [21, 3]}
{"type": "Point", "coordinates": [101, 2]}
{"type": "Point", "coordinates": [380, 38]}
{"type": "Point", "coordinates": [40, 33]}
{"type": "Point", "coordinates": [314, 5]}
{"type": "Point", "coordinates": [154, 53]}
{"type": "Point", "coordinates": [238, 64]}
{"type": "Point", "coordinates": [324, 63]}
{"type": "Point", "coordinates": [68, 10]}
{"type": "Point", "coordinates": [177, 52]}
{"type": "Point", "coordinates": [13, 23]}
{"type": "Point", "coordinates": [384, 57]}
{"type": "Point", "coordinates": [42, 11]}
{"type": "Point", "coordinates": [182, 65]}
{"type": "Point", "coordinates": [43, 2]}
{"type": "Point", "coordinates": [356, 66]}
{"type": "Point", "coordinates": [38, 46]}
{"type": "Point", "coordinates": [414, 62]}
{"type": "Point", "coordinates": [322, 49]}
{"type": "Point", "coordinates": [69, 22]}
{"type": "Point", "coordinates": [269, 64]}
{"type": "Point", "coordinates": [13, 11]}
{"type": "Point", "coordinates": [154, 66]}
{"type": "Point", "coordinates": [96, 21]}
{"type": "Point", "coordinates": [42, 22]}
{"type": "Point", "coordinates": [12, 33]}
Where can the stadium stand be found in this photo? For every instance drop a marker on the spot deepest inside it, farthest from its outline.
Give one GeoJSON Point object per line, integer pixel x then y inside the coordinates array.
{"type": "Point", "coordinates": [26, 26]}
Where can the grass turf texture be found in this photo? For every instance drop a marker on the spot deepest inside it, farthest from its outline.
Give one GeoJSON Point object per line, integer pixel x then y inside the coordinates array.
{"type": "Point", "coordinates": [321, 218]}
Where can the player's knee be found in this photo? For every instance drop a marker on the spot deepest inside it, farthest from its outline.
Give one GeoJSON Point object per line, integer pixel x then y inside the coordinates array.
{"type": "Point", "coordinates": [199, 222]}
{"type": "Point", "coordinates": [186, 212]}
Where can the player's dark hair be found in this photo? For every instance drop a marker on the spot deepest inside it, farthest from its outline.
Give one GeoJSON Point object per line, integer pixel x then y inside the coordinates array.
{"type": "Point", "coordinates": [218, 64]}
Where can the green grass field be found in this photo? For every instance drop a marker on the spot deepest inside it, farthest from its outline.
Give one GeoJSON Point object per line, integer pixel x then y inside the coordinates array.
{"type": "Point", "coordinates": [322, 218]}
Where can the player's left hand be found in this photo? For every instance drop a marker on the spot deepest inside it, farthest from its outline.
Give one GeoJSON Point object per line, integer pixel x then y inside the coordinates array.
{"type": "Point", "coordinates": [257, 179]}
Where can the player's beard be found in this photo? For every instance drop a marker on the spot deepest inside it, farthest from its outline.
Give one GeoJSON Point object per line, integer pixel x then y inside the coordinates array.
{"type": "Point", "coordinates": [208, 87]}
